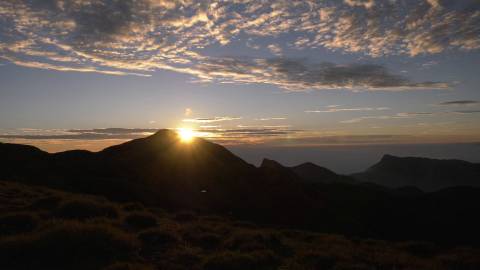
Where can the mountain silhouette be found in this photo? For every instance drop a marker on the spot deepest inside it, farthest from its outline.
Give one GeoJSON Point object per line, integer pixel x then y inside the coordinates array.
{"type": "Point", "coordinates": [424, 173]}
{"type": "Point", "coordinates": [314, 173]}
{"type": "Point", "coordinates": [161, 171]}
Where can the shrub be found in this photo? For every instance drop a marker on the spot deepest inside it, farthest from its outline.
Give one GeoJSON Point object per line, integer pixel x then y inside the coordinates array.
{"type": "Point", "coordinates": [17, 223]}
{"type": "Point", "coordinates": [86, 209]}
{"type": "Point", "coordinates": [158, 238]}
{"type": "Point", "coordinates": [67, 245]}
{"type": "Point", "coordinates": [141, 220]}
{"type": "Point", "coordinates": [240, 261]}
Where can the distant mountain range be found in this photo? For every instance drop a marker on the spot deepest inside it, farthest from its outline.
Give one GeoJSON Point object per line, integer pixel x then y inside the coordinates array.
{"type": "Point", "coordinates": [424, 173]}
{"type": "Point", "coordinates": [159, 170]}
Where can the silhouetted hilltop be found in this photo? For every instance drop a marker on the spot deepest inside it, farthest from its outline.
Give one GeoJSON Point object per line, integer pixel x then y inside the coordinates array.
{"type": "Point", "coordinates": [273, 169]}
{"type": "Point", "coordinates": [161, 171]}
{"type": "Point", "coordinates": [424, 173]}
{"type": "Point", "coordinates": [314, 173]}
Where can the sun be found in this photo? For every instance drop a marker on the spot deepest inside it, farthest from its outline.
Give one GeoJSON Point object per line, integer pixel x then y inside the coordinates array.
{"type": "Point", "coordinates": [186, 135]}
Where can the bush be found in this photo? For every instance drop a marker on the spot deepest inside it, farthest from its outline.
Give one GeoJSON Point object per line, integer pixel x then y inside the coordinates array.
{"type": "Point", "coordinates": [155, 238]}
{"type": "Point", "coordinates": [141, 220]}
{"type": "Point", "coordinates": [17, 223]}
{"type": "Point", "coordinates": [67, 245]}
{"type": "Point", "coordinates": [262, 260]}
{"type": "Point", "coordinates": [86, 209]}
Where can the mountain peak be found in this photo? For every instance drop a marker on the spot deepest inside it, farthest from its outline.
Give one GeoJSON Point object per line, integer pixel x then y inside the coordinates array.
{"type": "Point", "coordinates": [425, 173]}
{"type": "Point", "coordinates": [269, 163]}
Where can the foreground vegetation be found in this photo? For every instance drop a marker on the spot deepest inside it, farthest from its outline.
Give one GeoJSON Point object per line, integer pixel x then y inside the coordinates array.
{"type": "Point", "coordinates": [46, 229]}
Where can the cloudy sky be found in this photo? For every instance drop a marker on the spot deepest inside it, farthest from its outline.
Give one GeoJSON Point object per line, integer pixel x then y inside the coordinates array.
{"type": "Point", "coordinates": [90, 73]}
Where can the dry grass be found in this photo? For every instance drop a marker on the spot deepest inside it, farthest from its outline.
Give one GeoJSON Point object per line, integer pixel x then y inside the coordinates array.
{"type": "Point", "coordinates": [46, 229]}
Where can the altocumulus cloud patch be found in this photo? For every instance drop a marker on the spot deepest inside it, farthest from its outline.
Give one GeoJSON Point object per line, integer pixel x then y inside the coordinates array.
{"type": "Point", "coordinates": [122, 37]}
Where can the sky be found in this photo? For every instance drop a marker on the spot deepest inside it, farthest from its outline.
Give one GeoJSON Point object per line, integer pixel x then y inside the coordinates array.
{"type": "Point", "coordinates": [288, 74]}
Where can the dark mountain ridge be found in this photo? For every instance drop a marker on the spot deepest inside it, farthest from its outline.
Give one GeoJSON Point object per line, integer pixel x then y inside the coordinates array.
{"type": "Point", "coordinates": [161, 171]}
{"type": "Point", "coordinates": [424, 173]}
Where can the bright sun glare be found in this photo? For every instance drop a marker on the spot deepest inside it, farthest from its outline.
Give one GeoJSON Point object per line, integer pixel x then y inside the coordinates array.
{"type": "Point", "coordinates": [186, 134]}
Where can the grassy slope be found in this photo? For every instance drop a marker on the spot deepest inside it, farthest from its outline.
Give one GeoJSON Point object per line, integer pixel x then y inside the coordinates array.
{"type": "Point", "coordinates": [46, 229]}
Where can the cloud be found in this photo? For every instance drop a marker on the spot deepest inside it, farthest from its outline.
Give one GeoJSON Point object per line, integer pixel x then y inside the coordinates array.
{"type": "Point", "coordinates": [402, 115]}
{"type": "Point", "coordinates": [211, 120]}
{"type": "Point", "coordinates": [139, 37]}
{"type": "Point", "coordinates": [459, 103]}
{"type": "Point", "coordinates": [213, 133]}
{"type": "Point", "coordinates": [188, 112]}
{"type": "Point", "coordinates": [270, 118]}
{"type": "Point", "coordinates": [360, 3]}
{"type": "Point", "coordinates": [80, 134]}
{"type": "Point", "coordinates": [275, 49]}
{"type": "Point", "coordinates": [300, 75]}
{"type": "Point", "coordinates": [467, 111]}
{"type": "Point", "coordinates": [336, 109]}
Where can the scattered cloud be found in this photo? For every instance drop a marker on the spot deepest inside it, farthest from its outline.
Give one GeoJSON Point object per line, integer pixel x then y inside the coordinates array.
{"type": "Point", "coordinates": [211, 120]}
{"type": "Point", "coordinates": [402, 115]}
{"type": "Point", "coordinates": [301, 75]}
{"type": "Point", "coordinates": [336, 109]}
{"type": "Point", "coordinates": [270, 118]}
{"type": "Point", "coordinates": [212, 132]}
{"type": "Point", "coordinates": [467, 111]}
{"type": "Point", "coordinates": [138, 37]}
{"type": "Point", "coordinates": [188, 112]}
{"type": "Point", "coordinates": [429, 64]}
{"type": "Point", "coordinates": [275, 49]}
{"type": "Point", "coordinates": [459, 103]}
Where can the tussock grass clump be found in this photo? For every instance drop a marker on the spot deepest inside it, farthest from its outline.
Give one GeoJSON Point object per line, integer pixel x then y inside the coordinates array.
{"type": "Point", "coordinates": [316, 260]}
{"type": "Point", "coordinates": [181, 257]}
{"type": "Point", "coordinates": [158, 238]}
{"type": "Point", "coordinates": [261, 260]}
{"type": "Point", "coordinates": [133, 206]}
{"type": "Point", "coordinates": [14, 223]}
{"type": "Point", "coordinates": [205, 240]}
{"type": "Point", "coordinates": [247, 241]}
{"type": "Point", "coordinates": [85, 208]}
{"type": "Point", "coordinates": [141, 220]}
{"type": "Point", "coordinates": [67, 245]}
{"type": "Point", "coordinates": [185, 216]}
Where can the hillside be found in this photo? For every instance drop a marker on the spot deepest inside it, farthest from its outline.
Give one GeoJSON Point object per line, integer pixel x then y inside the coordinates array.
{"type": "Point", "coordinates": [424, 173]}
{"type": "Point", "coordinates": [160, 171]}
{"type": "Point", "coordinates": [42, 228]}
